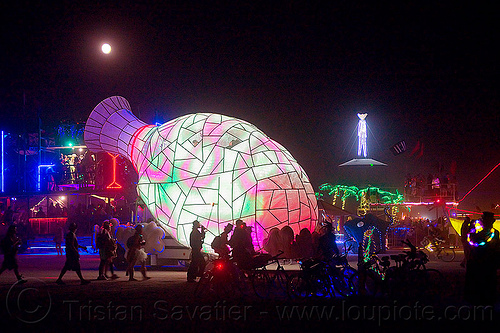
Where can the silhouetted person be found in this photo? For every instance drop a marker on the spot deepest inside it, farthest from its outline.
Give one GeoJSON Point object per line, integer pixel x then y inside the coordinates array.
{"type": "Point", "coordinates": [8, 217]}
{"type": "Point", "coordinates": [239, 244]}
{"type": "Point", "coordinates": [58, 239]}
{"type": "Point", "coordinates": [272, 242]}
{"type": "Point", "coordinates": [482, 264]}
{"type": "Point", "coordinates": [197, 265]}
{"type": "Point", "coordinates": [220, 243]}
{"type": "Point", "coordinates": [327, 246]}
{"type": "Point", "coordinates": [72, 256]}
{"type": "Point", "coordinates": [287, 242]}
{"type": "Point", "coordinates": [464, 230]}
{"type": "Point", "coordinates": [107, 251]}
{"type": "Point", "coordinates": [304, 244]}
{"type": "Point", "coordinates": [136, 254]}
{"type": "Point", "coordinates": [10, 246]}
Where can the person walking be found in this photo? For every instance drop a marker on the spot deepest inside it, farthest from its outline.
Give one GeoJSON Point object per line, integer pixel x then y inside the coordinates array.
{"type": "Point", "coordinates": [197, 265]}
{"type": "Point", "coordinates": [136, 254]}
{"type": "Point", "coordinates": [10, 246]}
{"type": "Point", "coordinates": [72, 256]}
{"type": "Point", "coordinates": [107, 251]}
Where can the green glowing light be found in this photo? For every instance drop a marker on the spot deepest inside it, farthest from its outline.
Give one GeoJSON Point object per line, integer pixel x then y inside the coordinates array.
{"type": "Point", "coordinates": [366, 195]}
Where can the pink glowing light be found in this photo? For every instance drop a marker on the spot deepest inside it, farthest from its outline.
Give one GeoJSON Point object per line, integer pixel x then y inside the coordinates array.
{"type": "Point", "coordinates": [206, 167]}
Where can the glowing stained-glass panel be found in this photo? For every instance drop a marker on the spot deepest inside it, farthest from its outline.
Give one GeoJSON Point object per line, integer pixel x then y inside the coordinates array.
{"type": "Point", "coordinates": [208, 167]}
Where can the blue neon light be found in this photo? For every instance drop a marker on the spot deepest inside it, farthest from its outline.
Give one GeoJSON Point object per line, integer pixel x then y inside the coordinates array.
{"type": "Point", "coordinates": [3, 167]}
{"type": "Point", "coordinates": [48, 166]}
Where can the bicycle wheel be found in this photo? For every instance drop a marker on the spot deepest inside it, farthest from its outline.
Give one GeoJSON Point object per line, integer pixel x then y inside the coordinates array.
{"type": "Point", "coordinates": [280, 283]}
{"type": "Point", "coordinates": [261, 283]}
{"type": "Point", "coordinates": [203, 287]}
{"type": "Point", "coordinates": [340, 281]}
{"type": "Point", "coordinates": [298, 287]}
{"type": "Point", "coordinates": [354, 283]}
{"type": "Point", "coordinates": [446, 254]}
{"type": "Point", "coordinates": [349, 285]}
{"type": "Point", "coordinates": [224, 288]}
{"type": "Point", "coordinates": [240, 281]}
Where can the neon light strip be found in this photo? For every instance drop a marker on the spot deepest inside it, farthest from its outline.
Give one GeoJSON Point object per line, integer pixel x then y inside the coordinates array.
{"type": "Point", "coordinates": [496, 166]}
{"type": "Point", "coordinates": [114, 184]}
{"type": "Point", "coordinates": [38, 184]}
{"type": "Point", "coordinates": [136, 137]}
{"type": "Point", "coordinates": [412, 204]}
{"type": "Point", "coordinates": [3, 176]}
{"type": "Point", "coordinates": [468, 211]}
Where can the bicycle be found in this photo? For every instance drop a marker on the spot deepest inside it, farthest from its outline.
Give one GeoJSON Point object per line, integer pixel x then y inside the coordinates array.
{"type": "Point", "coordinates": [313, 280]}
{"type": "Point", "coordinates": [426, 282]}
{"type": "Point", "coordinates": [265, 282]}
{"type": "Point", "coordinates": [320, 278]}
{"type": "Point", "coordinates": [436, 246]}
{"type": "Point", "coordinates": [221, 279]}
{"type": "Point", "coordinates": [341, 273]}
{"type": "Point", "coordinates": [351, 245]}
{"type": "Point", "coordinates": [408, 278]}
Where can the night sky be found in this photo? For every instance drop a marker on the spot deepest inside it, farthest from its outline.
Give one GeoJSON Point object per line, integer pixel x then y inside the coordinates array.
{"type": "Point", "coordinates": [424, 71]}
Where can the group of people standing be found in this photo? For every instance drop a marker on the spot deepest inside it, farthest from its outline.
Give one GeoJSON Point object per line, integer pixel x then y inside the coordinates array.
{"type": "Point", "coordinates": [320, 244]}
{"type": "Point", "coordinates": [106, 244]}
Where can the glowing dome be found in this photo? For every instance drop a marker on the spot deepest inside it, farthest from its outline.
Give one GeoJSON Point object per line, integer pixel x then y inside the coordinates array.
{"type": "Point", "coordinates": [206, 167]}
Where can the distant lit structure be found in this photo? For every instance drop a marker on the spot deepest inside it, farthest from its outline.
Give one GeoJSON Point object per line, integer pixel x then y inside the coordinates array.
{"type": "Point", "coordinates": [206, 167]}
{"type": "Point", "coordinates": [362, 134]}
{"type": "Point", "coordinates": [362, 146]}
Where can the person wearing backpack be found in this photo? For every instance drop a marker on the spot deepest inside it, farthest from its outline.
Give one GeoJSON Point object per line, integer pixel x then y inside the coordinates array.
{"type": "Point", "coordinates": [220, 243]}
{"type": "Point", "coordinates": [10, 246]}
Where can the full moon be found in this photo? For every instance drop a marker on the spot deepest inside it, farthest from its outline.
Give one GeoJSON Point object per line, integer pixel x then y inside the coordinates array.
{"type": "Point", "coordinates": [106, 48]}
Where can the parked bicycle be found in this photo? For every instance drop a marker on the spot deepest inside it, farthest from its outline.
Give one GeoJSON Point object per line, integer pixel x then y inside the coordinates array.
{"type": "Point", "coordinates": [407, 278]}
{"type": "Point", "coordinates": [350, 245]}
{"type": "Point", "coordinates": [317, 278]}
{"type": "Point", "coordinates": [221, 279]}
{"type": "Point", "coordinates": [267, 282]}
{"type": "Point", "coordinates": [438, 247]}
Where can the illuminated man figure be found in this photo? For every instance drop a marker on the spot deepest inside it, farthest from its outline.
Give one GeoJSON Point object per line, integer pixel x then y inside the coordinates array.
{"type": "Point", "coordinates": [362, 134]}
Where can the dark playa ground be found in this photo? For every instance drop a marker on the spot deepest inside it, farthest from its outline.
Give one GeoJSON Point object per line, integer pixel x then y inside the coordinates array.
{"type": "Point", "coordinates": [166, 302]}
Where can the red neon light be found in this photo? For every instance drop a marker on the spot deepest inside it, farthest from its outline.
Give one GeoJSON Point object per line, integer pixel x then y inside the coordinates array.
{"type": "Point", "coordinates": [468, 211]}
{"type": "Point", "coordinates": [136, 137]}
{"type": "Point", "coordinates": [114, 184]}
{"type": "Point", "coordinates": [489, 173]}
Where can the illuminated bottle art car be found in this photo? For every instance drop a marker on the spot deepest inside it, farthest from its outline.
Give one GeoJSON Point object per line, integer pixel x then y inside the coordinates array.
{"type": "Point", "coordinates": [206, 167]}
